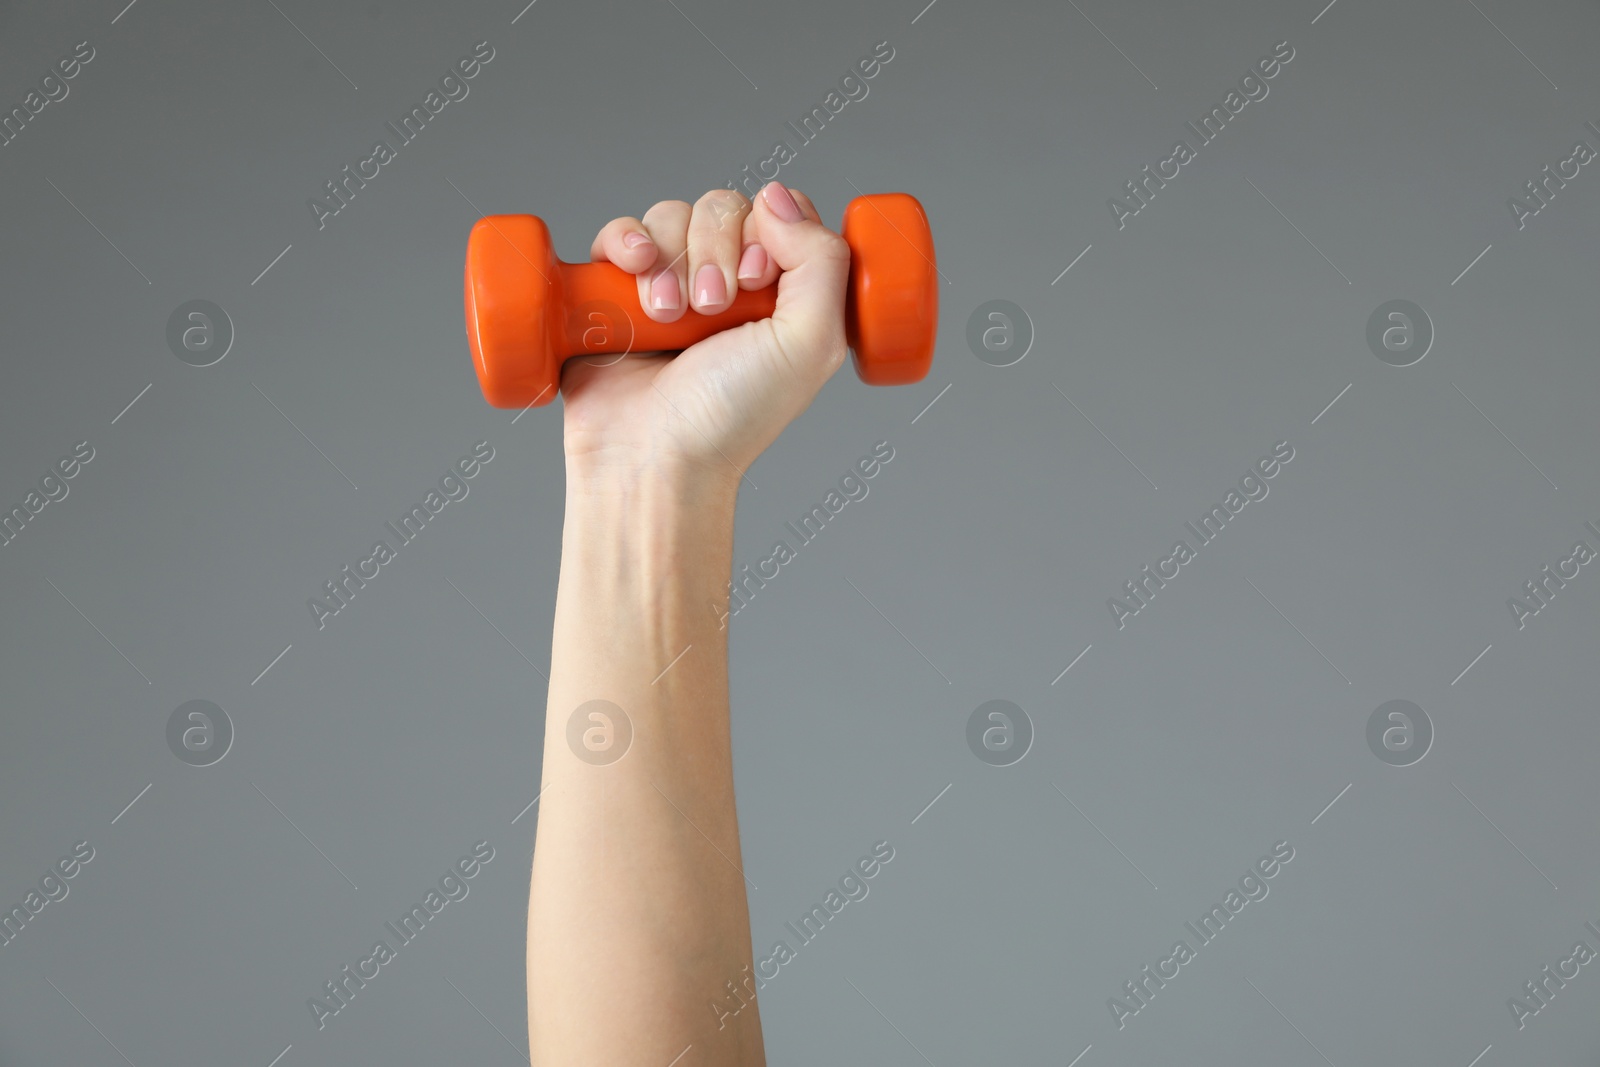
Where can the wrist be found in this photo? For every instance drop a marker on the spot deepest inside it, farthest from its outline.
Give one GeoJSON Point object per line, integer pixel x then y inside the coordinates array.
{"type": "Point", "coordinates": [672, 493]}
{"type": "Point", "coordinates": [647, 556]}
{"type": "Point", "coordinates": [671, 522]}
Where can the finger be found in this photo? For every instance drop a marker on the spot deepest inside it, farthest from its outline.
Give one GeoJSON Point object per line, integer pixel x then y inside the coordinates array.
{"type": "Point", "coordinates": [756, 268]}
{"type": "Point", "coordinates": [806, 206]}
{"type": "Point", "coordinates": [809, 318]}
{"type": "Point", "coordinates": [715, 229]}
{"type": "Point", "coordinates": [624, 242]}
{"type": "Point", "coordinates": [661, 288]}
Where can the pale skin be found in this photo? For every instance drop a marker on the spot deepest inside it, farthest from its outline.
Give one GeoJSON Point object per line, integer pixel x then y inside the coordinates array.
{"type": "Point", "coordinates": [637, 915]}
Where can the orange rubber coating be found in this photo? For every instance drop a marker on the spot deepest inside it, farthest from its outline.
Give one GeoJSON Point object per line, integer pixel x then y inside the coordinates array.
{"type": "Point", "coordinates": [527, 311]}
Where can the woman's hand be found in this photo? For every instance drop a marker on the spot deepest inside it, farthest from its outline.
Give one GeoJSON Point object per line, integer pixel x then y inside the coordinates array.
{"type": "Point", "coordinates": [713, 408]}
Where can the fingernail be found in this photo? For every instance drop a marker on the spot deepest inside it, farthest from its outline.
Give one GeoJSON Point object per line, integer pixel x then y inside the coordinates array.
{"type": "Point", "coordinates": [633, 239]}
{"type": "Point", "coordinates": [781, 203]}
{"type": "Point", "coordinates": [664, 294]}
{"type": "Point", "coordinates": [753, 263]}
{"type": "Point", "coordinates": [709, 286]}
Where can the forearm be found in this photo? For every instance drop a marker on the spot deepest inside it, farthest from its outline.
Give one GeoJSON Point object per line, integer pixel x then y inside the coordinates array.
{"type": "Point", "coordinates": [637, 916]}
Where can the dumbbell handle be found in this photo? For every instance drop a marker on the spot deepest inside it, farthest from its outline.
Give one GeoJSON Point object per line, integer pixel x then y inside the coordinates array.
{"type": "Point", "coordinates": [596, 293]}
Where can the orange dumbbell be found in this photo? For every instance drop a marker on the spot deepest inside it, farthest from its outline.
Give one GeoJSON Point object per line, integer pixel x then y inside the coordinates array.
{"type": "Point", "coordinates": [527, 311]}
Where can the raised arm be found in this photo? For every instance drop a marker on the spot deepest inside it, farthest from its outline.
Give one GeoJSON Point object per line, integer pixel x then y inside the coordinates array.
{"type": "Point", "coordinates": [637, 917]}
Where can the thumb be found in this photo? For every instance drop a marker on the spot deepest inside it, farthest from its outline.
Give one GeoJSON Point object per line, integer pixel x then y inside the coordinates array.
{"type": "Point", "coordinates": [808, 320]}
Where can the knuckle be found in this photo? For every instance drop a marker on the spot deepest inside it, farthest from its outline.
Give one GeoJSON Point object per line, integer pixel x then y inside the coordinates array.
{"type": "Point", "coordinates": [838, 351]}
{"type": "Point", "coordinates": [831, 246]}
{"type": "Point", "coordinates": [720, 205]}
{"type": "Point", "coordinates": [664, 210]}
{"type": "Point", "coordinates": [616, 228]}
{"type": "Point", "coordinates": [723, 202]}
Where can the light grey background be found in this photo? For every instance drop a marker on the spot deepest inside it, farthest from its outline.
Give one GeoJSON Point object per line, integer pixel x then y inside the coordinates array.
{"type": "Point", "coordinates": [1222, 319]}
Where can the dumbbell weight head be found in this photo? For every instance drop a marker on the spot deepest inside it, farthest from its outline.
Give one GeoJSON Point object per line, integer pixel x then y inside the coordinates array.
{"type": "Point", "coordinates": [527, 312]}
{"type": "Point", "coordinates": [891, 313]}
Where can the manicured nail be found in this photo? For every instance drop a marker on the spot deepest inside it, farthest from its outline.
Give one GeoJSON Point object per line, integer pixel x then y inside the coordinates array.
{"type": "Point", "coordinates": [709, 286]}
{"type": "Point", "coordinates": [664, 294]}
{"type": "Point", "coordinates": [753, 263]}
{"type": "Point", "coordinates": [633, 239]}
{"type": "Point", "coordinates": [781, 203]}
